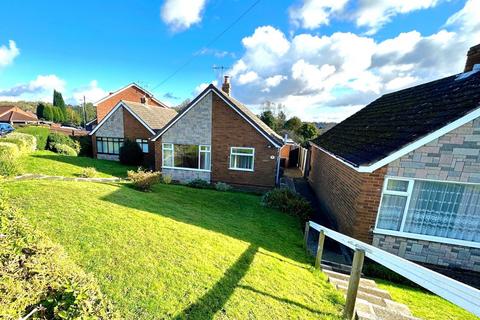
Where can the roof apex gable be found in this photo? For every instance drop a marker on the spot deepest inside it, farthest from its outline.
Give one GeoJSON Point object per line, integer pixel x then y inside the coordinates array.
{"type": "Point", "coordinates": [133, 84]}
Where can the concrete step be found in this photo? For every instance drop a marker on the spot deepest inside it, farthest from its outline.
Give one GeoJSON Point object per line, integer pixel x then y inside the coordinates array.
{"type": "Point", "coordinates": [364, 310]}
{"type": "Point", "coordinates": [341, 276]}
{"type": "Point", "coordinates": [367, 288]}
{"type": "Point", "coordinates": [365, 296]}
{"type": "Point", "coordinates": [390, 314]}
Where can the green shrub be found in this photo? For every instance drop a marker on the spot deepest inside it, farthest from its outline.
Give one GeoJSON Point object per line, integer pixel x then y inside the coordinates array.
{"type": "Point", "coordinates": [40, 133]}
{"type": "Point", "coordinates": [89, 172]}
{"type": "Point", "coordinates": [86, 148]}
{"type": "Point", "coordinates": [9, 159]}
{"type": "Point", "coordinates": [144, 180]}
{"type": "Point", "coordinates": [222, 186]}
{"type": "Point", "coordinates": [199, 184]}
{"type": "Point", "coordinates": [35, 272]}
{"type": "Point", "coordinates": [131, 154]}
{"type": "Point", "coordinates": [55, 138]}
{"type": "Point", "coordinates": [63, 149]}
{"type": "Point", "coordinates": [167, 179]}
{"type": "Point", "coordinates": [288, 201]}
{"type": "Point", "coordinates": [26, 142]}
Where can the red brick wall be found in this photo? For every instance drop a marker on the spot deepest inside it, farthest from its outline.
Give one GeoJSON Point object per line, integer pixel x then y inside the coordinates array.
{"type": "Point", "coordinates": [94, 146]}
{"type": "Point", "coordinates": [131, 94]}
{"type": "Point", "coordinates": [133, 130]}
{"type": "Point", "coordinates": [158, 154]}
{"type": "Point", "coordinates": [229, 129]}
{"type": "Point", "coordinates": [352, 198]}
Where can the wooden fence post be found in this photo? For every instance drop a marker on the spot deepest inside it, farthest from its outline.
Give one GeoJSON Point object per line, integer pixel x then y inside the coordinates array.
{"type": "Point", "coordinates": [353, 284]}
{"type": "Point", "coordinates": [307, 229]}
{"type": "Point", "coordinates": [321, 241]}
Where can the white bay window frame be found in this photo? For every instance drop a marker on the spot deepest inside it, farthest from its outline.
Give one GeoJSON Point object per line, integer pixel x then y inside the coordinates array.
{"type": "Point", "coordinates": [202, 148]}
{"type": "Point", "coordinates": [408, 194]}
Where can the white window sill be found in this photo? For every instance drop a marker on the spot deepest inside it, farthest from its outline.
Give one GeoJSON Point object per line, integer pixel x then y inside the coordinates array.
{"type": "Point", "coordinates": [415, 236]}
{"type": "Point", "coordinates": [237, 169]}
{"type": "Point", "coordinates": [187, 169]}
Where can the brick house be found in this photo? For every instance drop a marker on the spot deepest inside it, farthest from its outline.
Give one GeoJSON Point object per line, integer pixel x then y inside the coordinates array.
{"type": "Point", "coordinates": [216, 138]}
{"type": "Point", "coordinates": [404, 172]}
{"type": "Point", "coordinates": [15, 115]}
{"type": "Point", "coordinates": [137, 119]}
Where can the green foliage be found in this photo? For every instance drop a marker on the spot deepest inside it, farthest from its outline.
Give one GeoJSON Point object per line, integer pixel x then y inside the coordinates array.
{"type": "Point", "coordinates": [308, 131]}
{"type": "Point", "coordinates": [35, 273]}
{"type": "Point", "coordinates": [167, 178]}
{"type": "Point", "coordinates": [131, 153]}
{"type": "Point", "coordinates": [288, 201]}
{"type": "Point", "coordinates": [144, 180]}
{"type": "Point", "coordinates": [55, 138]}
{"type": "Point", "coordinates": [293, 124]}
{"type": "Point", "coordinates": [48, 113]}
{"type": "Point", "coordinates": [40, 110]}
{"type": "Point", "coordinates": [40, 133]}
{"type": "Point", "coordinates": [64, 149]}
{"type": "Point", "coordinates": [269, 119]}
{"type": "Point", "coordinates": [26, 142]}
{"type": "Point", "coordinates": [9, 159]}
{"type": "Point", "coordinates": [58, 115]}
{"type": "Point", "coordinates": [58, 100]}
{"type": "Point", "coordinates": [222, 186]}
{"type": "Point", "coordinates": [72, 117]}
{"type": "Point", "coordinates": [89, 172]}
{"type": "Point", "coordinates": [199, 184]}
{"type": "Point", "coordinates": [86, 147]}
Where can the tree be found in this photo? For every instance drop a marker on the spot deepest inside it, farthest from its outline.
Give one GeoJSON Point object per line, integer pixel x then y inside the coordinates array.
{"type": "Point", "coordinates": [48, 113]}
{"type": "Point", "coordinates": [280, 121]}
{"type": "Point", "coordinates": [293, 124]}
{"type": "Point", "coordinates": [182, 105]}
{"type": "Point", "coordinates": [59, 103]}
{"type": "Point", "coordinates": [268, 118]}
{"type": "Point", "coordinates": [40, 110]}
{"type": "Point", "coordinates": [57, 115]}
{"type": "Point", "coordinates": [308, 131]}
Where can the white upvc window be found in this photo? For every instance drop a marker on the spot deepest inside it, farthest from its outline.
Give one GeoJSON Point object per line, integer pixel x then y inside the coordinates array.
{"type": "Point", "coordinates": [242, 158]}
{"type": "Point", "coordinates": [143, 144]}
{"type": "Point", "coordinates": [430, 210]}
{"type": "Point", "coordinates": [186, 156]}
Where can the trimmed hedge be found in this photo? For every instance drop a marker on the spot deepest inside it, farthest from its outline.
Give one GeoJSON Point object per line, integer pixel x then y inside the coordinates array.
{"type": "Point", "coordinates": [144, 180]}
{"type": "Point", "coordinates": [86, 147]}
{"type": "Point", "coordinates": [55, 138]}
{"type": "Point", "coordinates": [26, 142]}
{"type": "Point", "coordinates": [35, 272]}
{"type": "Point", "coordinates": [63, 149]}
{"type": "Point", "coordinates": [9, 159]}
{"type": "Point", "coordinates": [288, 201]}
{"type": "Point", "coordinates": [40, 133]}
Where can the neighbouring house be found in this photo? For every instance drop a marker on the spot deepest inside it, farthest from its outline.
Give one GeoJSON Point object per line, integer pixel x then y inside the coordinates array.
{"type": "Point", "coordinates": [15, 115]}
{"type": "Point", "coordinates": [218, 139]}
{"type": "Point", "coordinates": [133, 120]}
{"type": "Point", "coordinates": [404, 172]}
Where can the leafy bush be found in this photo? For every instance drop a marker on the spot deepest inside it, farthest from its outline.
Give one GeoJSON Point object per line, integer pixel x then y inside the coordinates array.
{"type": "Point", "coordinates": [86, 148]}
{"type": "Point", "coordinates": [144, 180]}
{"type": "Point", "coordinates": [63, 149]}
{"type": "Point", "coordinates": [199, 184]}
{"type": "Point", "coordinates": [26, 142]}
{"type": "Point", "coordinates": [40, 133]}
{"type": "Point", "coordinates": [222, 186]}
{"type": "Point", "coordinates": [9, 159]}
{"type": "Point", "coordinates": [167, 179]}
{"type": "Point", "coordinates": [288, 201]}
{"type": "Point", "coordinates": [35, 272]}
{"type": "Point", "coordinates": [55, 138]}
{"type": "Point", "coordinates": [131, 154]}
{"type": "Point", "coordinates": [89, 172]}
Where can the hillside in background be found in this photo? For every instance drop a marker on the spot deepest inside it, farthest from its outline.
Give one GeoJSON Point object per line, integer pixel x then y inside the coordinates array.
{"type": "Point", "coordinates": [325, 126]}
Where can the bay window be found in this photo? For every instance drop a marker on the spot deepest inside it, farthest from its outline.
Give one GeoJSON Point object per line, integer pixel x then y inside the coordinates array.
{"type": "Point", "coordinates": [185, 156]}
{"type": "Point", "coordinates": [242, 158]}
{"type": "Point", "coordinates": [109, 145]}
{"type": "Point", "coordinates": [430, 209]}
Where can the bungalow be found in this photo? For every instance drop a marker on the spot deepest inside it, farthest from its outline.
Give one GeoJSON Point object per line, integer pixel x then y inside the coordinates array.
{"type": "Point", "coordinates": [216, 138]}
{"type": "Point", "coordinates": [404, 172]}
{"type": "Point", "coordinates": [138, 119]}
{"type": "Point", "coordinates": [15, 115]}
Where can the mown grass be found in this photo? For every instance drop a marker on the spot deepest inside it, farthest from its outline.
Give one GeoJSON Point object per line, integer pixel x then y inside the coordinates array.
{"type": "Point", "coordinates": [182, 253]}
{"type": "Point", "coordinates": [50, 163]}
{"type": "Point", "coordinates": [424, 304]}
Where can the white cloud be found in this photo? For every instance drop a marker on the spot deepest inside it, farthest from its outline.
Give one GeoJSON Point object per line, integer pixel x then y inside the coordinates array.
{"type": "Point", "coordinates": [203, 86]}
{"type": "Point", "coordinates": [314, 13]}
{"type": "Point", "coordinates": [180, 15]}
{"type": "Point", "coordinates": [92, 93]}
{"type": "Point", "coordinates": [8, 54]}
{"type": "Point", "coordinates": [39, 89]}
{"type": "Point", "coordinates": [326, 77]}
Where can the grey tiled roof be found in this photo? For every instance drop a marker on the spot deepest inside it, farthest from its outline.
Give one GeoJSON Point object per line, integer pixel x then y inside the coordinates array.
{"type": "Point", "coordinates": [155, 117]}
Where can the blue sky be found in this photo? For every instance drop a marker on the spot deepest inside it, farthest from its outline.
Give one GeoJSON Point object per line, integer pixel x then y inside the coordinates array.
{"type": "Point", "coordinates": [322, 59]}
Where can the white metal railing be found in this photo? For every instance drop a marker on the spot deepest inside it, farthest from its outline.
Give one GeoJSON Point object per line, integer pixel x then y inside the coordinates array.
{"type": "Point", "coordinates": [454, 291]}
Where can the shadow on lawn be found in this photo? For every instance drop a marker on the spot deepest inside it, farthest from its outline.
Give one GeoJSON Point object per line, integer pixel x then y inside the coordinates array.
{"type": "Point", "coordinates": [112, 168]}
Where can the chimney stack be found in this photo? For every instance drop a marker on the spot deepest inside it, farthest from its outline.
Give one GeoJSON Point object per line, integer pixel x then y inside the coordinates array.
{"type": "Point", "coordinates": [226, 85]}
{"type": "Point", "coordinates": [143, 99]}
{"type": "Point", "coordinates": [473, 58]}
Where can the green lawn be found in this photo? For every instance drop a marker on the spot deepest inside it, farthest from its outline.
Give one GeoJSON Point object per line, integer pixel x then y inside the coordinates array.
{"type": "Point", "coordinates": [423, 304]}
{"type": "Point", "coordinates": [181, 253]}
{"type": "Point", "coordinates": [50, 163]}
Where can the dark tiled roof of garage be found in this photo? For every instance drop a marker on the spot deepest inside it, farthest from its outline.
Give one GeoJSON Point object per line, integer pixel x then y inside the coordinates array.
{"type": "Point", "coordinates": [397, 119]}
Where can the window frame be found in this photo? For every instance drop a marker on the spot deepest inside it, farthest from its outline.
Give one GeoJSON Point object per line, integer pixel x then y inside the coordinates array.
{"type": "Point", "coordinates": [408, 194]}
{"type": "Point", "coordinates": [141, 142]}
{"type": "Point", "coordinates": [106, 140]}
{"type": "Point", "coordinates": [241, 154]}
{"type": "Point", "coordinates": [172, 149]}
